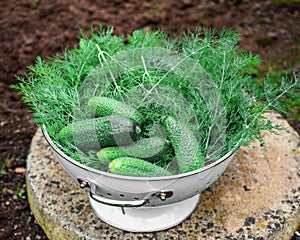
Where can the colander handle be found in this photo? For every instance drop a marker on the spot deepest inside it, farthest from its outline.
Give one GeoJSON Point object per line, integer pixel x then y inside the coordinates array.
{"type": "Point", "coordinates": [113, 202]}
{"type": "Point", "coordinates": [119, 203]}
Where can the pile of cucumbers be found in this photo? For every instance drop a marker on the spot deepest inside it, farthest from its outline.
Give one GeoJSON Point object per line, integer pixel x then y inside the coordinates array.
{"type": "Point", "coordinates": [115, 132]}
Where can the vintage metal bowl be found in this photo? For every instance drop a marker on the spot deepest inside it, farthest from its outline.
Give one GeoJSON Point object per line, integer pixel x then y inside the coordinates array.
{"type": "Point", "coordinates": [141, 204]}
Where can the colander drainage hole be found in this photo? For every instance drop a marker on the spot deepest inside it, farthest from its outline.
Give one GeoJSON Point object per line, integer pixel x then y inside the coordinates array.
{"type": "Point", "coordinates": [136, 198]}
{"type": "Point", "coordinates": [108, 194]}
{"type": "Point", "coordinates": [122, 195]}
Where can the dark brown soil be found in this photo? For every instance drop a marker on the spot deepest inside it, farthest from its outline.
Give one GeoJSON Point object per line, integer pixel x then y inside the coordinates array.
{"type": "Point", "coordinates": [31, 28]}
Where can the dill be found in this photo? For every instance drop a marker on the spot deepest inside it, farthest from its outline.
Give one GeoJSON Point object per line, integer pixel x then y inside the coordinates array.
{"type": "Point", "coordinates": [55, 89]}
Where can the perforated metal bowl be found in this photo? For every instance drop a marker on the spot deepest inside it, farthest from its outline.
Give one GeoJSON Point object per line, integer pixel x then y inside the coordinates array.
{"type": "Point", "coordinates": [118, 192]}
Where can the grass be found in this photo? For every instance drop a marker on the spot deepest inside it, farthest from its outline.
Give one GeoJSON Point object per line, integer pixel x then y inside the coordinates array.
{"type": "Point", "coordinates": [281, 3]}
{"type": "Point", "coordinates": [20, 191]}
{"type": "Point", "coordinates": [4, 164]}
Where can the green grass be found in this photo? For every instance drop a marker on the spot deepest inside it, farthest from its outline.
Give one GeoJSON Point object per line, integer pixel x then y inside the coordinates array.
{"type": "Point", "coordinates": [4, 164]}
{"type": "Point", "coordinates": [280, 3]}
{"type": "Point", "coordinates": [19, 192]}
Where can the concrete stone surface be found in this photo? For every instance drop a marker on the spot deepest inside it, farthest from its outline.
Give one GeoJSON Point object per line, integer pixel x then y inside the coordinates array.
{"type": "Point", "coordinates": [257, 197]}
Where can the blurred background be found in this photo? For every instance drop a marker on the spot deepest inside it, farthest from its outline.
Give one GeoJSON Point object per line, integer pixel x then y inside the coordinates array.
{"type": "Point", "coordinates": [31, 28]}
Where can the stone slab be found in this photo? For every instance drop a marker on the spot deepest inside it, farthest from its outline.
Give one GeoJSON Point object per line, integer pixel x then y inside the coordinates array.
{"type": "Point", "coordinates": [257, 197]}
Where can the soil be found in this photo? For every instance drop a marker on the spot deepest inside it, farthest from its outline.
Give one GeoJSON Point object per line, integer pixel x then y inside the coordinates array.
{"type": "Point", "coordinates": [32, 28]}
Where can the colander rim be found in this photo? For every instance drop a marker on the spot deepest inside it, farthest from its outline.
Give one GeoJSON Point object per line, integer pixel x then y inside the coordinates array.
{"type": "Point", "coordinates": [93, 170]}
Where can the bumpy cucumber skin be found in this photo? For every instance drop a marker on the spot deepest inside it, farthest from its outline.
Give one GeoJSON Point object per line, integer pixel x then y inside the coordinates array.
{"type": "Point", "coordinates": [101, 132]}
{"type": "Point", "coordinates": [185, 145]}
{"type": "Point", "coordinates": [135, 167]}
{"type": "Point", "coordinates": [149, 149]}
{"type": "Point", "coordinates": [103, 106]}
{"type": "Point", "coordinates": [106, 155]}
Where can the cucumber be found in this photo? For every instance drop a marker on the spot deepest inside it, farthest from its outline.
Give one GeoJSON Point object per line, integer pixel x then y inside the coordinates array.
{"type": "Point", "coordinates": [129, 166]}
{"type": "Point", "coordinates": [96, 133]}
{"type": "Point", "coordinates": [149, 149]}
{"type": "Point", "coordinates": [185, 145]}
{"type": "Point", "coordinates": [103, 106]}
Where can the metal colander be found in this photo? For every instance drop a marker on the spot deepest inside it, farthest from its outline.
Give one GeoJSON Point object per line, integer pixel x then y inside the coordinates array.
{"type": "Point", "coordinates": [139, 194]}
{"type": "Point", "coordinates": [151, 203]}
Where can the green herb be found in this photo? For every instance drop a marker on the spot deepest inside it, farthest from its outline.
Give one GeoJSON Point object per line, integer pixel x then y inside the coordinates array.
{"type": "Point", "coordinates": [55, 89]}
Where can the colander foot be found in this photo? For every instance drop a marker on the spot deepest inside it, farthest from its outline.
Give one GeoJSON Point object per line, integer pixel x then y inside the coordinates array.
{"type": "Point", "coordinates": [145, 219]}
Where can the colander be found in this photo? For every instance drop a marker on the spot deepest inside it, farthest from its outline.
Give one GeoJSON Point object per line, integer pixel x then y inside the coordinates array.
{"type": "Point", "coordinates": [141, 204]}
{"type": "Point", "coordinates": [145, 204]}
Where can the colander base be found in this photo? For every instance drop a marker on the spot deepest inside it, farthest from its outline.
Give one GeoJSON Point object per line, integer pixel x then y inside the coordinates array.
{"type": "Point", "coordinates": [145, 219]}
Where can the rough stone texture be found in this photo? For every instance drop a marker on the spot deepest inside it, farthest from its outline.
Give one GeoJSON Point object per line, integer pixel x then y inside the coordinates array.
{"type": "Point", "coordinates": [256, 198]}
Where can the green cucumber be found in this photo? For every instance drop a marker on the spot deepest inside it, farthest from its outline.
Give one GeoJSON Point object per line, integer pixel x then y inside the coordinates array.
{"type": "Point", "coordinates": [149, 149]}
{"type": "Point", "coordinates": [129, 166]}
{"type": "Point", "coordinates": [185, 145]}
{"type": "Point", "coordinates": [103, 106]}
{"type": "Point", "coordinates": [102, 132]}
